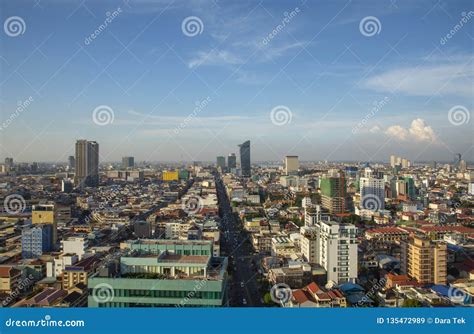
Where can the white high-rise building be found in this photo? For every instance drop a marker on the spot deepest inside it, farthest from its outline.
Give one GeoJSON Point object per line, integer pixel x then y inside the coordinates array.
{"type": "Point", "coordinates": [291, 164]}
{"type": "Point", "coordinates": [309, 243]}
{"type": "Point", "coordinates": [372, 193]}
{"type": "Point", "coordinates": [75, 245]}
{"type": "Point", "coordinates": [338, 251]}
{"type": "Point", "coordinates": [312, 215]}
{"type": "Point", "coordinates": [306, 202]}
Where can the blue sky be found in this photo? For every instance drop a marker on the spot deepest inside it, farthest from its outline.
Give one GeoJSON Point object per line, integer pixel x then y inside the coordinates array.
{"type": "Point", "coordinates": [344, 92]}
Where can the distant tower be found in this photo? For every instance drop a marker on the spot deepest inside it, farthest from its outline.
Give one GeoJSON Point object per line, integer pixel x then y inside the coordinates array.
{"type": "Point", "coordinates": [71, 161]}
{"type": "Point", "coordinates": [231, 161]}
{"type": "Point", "coordinates": [128, 162]}
{"type": "Point", "coordinates": [245, 158]}
{"type": "Point", "coordinates": [291, 164]}
{"type": "Point", "coordinates": [220, 161]}
{"type": "Point", "coordinates": [457, 159]}
{"type": "Point", "coordinates": [87, 163]}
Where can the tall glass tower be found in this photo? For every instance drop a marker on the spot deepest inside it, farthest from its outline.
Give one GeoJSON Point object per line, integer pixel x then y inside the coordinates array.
{"type": "Point", "coordinates": [245, 158]}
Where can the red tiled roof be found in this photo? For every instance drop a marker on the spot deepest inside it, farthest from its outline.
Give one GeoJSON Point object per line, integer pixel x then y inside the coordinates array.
{"type": "Point", "coordinates": [313, 287]}
{"type": "Point", "coordinates": [300, 296]}
{"type": "Point", "coordinates": [387, 230]}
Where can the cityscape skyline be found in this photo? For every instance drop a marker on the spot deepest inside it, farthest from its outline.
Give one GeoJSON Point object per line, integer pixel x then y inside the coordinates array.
{"type": "Point", "coordinates": [295, 78]}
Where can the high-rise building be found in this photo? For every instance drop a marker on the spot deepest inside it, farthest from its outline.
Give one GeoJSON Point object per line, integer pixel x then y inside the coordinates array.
{"type": "Point", "coordinates": [36, 240]}
{"type": "Point", "coordinates": [245, 158]}
{"type": "Point", "coordinates": [231, 162]}
{"type": "Point", "coordinates": [87, 163]}
{"type": "Point", "coordinates": [457, 159]}
{"type": "Point", "coordinates": [71, 162]}
{"type": "Point", "coordinates": [46, 214]}
{"type": "Point", "coordinates": [309, 243]}
{"type": "Point", "coordinates": [393, 161]}
{"type": "Point", "coordinates": [291, 164]}
{"type": "Point", "coordinates": [67, 186]}
{"type": "Point", "coordinates": [220, 163]}
{"type": "Point", "coordinates": [333, 191]}
{"type": "Point", "coordinates": [372, 192]}
{"type": "Point", "coordinates": [188, 275]}
{"type": "Point", "coordinates": [338, 251]}
{"type": "Point", "coordinates": [9, 162]}
{"type": "Point", "coordinates": [128, 162]}
{"type": "Point", "coordinates": [424, 260]}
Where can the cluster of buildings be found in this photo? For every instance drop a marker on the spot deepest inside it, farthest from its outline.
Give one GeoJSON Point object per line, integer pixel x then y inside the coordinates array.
{"type": "Point", "coordinates": [336, 234]}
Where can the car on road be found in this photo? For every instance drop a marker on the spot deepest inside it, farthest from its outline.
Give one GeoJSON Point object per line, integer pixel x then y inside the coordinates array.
{"type": "Point", "coordinates": [242, 284]}
{"type": "Point", "coordinates": [244, 301]}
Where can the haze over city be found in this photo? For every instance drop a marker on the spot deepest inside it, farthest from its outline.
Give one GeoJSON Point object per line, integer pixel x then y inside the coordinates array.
{"type": "Point", "coordinates": [321, 87]}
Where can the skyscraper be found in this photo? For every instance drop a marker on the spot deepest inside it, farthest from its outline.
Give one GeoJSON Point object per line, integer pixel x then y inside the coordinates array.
{"type": "Point", "coordinates": [220, 163]}
{"type": "Point", "coordinates": [424, 260]}
{"type": "Point", "coordinates": [245, 158]}
{"type": "Point", "coordinates": [372, 191]}
{"type": "Point", "coordinates": [71, 161]}
{"type": "Point", "coordinates": [231, 161]}
{"type": "Point", "coordinates": [333, 191]}
{"type": "Point", "coordinates": [291, 164]}
{"type": "Point", "coordinates": [87, 163]}
{"type": "Point", "coordinates": [128, 162]}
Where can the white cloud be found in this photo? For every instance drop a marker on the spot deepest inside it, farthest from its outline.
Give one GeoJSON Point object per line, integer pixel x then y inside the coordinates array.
{"type": "Point", "coordinates": [397, 131]}
{"type": "Point", "coordinates": [214, 57]}
{"type": "Point", "coordinates": [418, 131]}
{"type": "Point", "coordinates": [452, 79]}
